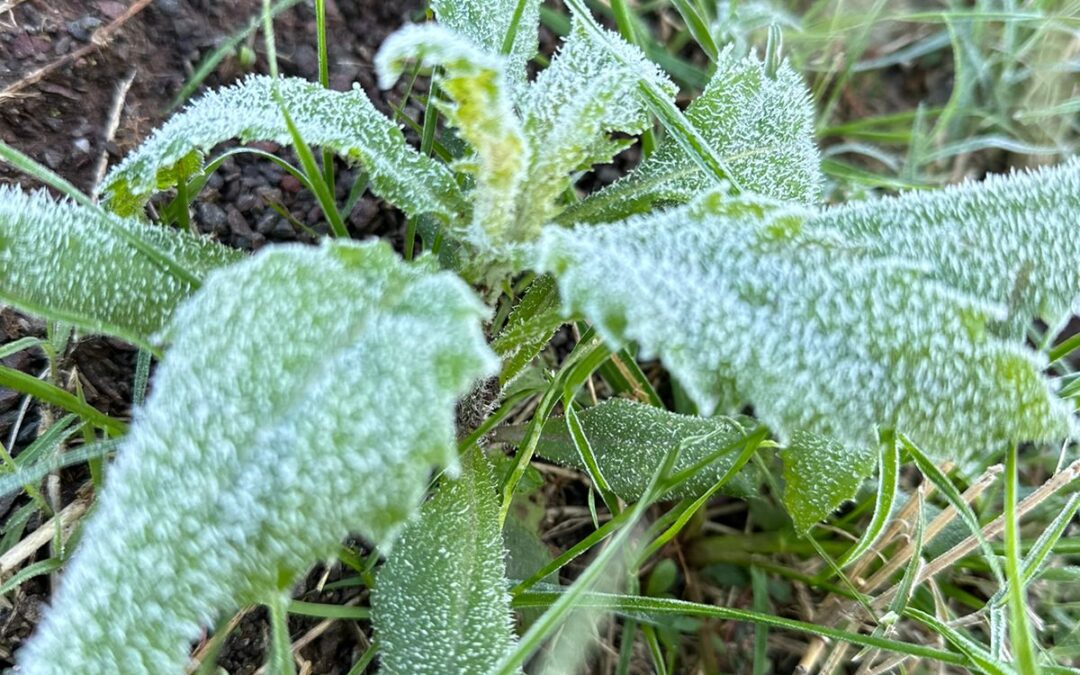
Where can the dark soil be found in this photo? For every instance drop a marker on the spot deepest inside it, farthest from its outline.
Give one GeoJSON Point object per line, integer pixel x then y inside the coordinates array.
{"type": "Point", "coordinates": [63, 120]}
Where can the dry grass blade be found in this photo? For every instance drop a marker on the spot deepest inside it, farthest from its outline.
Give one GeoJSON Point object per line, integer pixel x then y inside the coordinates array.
{"type": "Point", "coordinates": [29, 544]}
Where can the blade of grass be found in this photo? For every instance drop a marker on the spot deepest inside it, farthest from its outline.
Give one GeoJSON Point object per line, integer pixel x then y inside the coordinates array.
{"type": "Point", "coordinates": [29, 572]}
{"type": "Point", "coordinates": [53, 395]}
{"type": "Point", "coordinates": [38, 470]}
{"type": "Point", "coordinates": [210, 63]}
{"type": "Point", "coordinates": [644, 608]}
{"type": "Point", "coordinates": [569, 600]}
{"type": "Point", "coordinates": [325, 611]}
{"type": "Point", "coordinates": [1023, 641]}
{"type": "Point", "coordinates": [963, 509]}
{"type": "Point", "coordinates": [888, 480]}
{"type": "Point", "coordinates": [18, 346]}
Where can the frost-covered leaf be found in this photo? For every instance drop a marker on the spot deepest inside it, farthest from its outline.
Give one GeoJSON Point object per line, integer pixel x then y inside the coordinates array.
{"type": "Point", "coordinates": [631, 440]}
{"type": "Point", "coordinates": [820, 475]}
{"type": "Point", "coordinates": [344, 122]}
{"type": "Point", "coordinates": [815, 333]}
{"type": "Point", "coordinates": [441, 604]}
{"type": "Point", "coordinates": [264, 443]}
{"type": "Point", "coordinates": [482, 111]}
{"type": "Point", "coordinates": [487, 23]}
{"type": "Point", "coordinates": [76, 264]}
{"type": "Point", "coordinates": [528, 329]}
{"type": "Point", "coordinates": [588, 93]}
{"type": "Point", "coordinates": [761, 125]}
{"type": "Point", "coordinates": [1011, 240]}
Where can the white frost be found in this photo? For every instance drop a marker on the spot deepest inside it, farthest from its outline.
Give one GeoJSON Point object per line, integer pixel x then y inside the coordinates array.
{"type": "Point", "coordinates": [284, 417]}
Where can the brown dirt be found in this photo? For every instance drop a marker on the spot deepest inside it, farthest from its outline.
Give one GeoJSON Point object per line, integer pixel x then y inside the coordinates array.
{"type": "Point", "coordinates": [61, 121]}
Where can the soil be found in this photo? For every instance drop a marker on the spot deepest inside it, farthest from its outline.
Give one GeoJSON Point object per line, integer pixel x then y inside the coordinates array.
{"type": "Point", "coordinates": [63, 121]}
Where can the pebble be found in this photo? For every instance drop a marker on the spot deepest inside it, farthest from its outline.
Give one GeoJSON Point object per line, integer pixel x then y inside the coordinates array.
{"type": "Point", "coordinates": [212, 218]}
{"type": "Point", "coordinates": [82, 29]}
{"type": "Point", "coordinates": [247, 201]}
{"type": "Point", "coordinates": [290, 183]}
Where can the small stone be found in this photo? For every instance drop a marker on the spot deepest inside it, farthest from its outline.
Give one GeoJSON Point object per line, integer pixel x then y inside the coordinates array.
{"type": "Point", "coordinates": [290, 183]}
{"type": "Point", "coordinates": [82, 145]}
{"type": "Point", "coordinates": [268, 195]}
{"type": "Point", "coordinates": [267, 221]}
{"type": "Point", "coordinates": [212, 218]}
{"type": "Point", "coordinates": [82, 29]}
{"type": "Point", "coordinates": [111, 8]}
{"type": "Point", "coordinates": [247, 201]}
{"type": "Point", "coordinates": [283, 230]}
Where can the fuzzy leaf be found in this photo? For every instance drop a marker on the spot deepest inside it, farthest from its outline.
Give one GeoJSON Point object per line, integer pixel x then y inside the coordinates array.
{"type": "Point", "coordinates": [815, 333]}
{"type": "Point", "coordinates": [75, 264]}
{"type": "Point", "coordinates": [761, 125]}
{"type": "Point", "coordinates": [1011, 240]}
{"type": "Point", "coordinates": [820, 475]}
{"type": "Point", "coordinates": [487, 22]}
{"type": "Point", "coordinates": [441, 603]}
{"type": "Point", "coordinates": [630, 441]}
{"type": "Point", "coordinates": [344, 122]}
{"type": "Point", "coordinates": [263, 444]}
{"type": "Point", "coordinates": [575, 106]}
{"type": "Point", "coordinates": [481, 110]}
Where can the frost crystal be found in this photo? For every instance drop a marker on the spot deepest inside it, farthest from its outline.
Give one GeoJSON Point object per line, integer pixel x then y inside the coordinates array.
{"type": "Point", "coordinates": [820, 475]}
{"type": "Point", "coordinates": [815, 333]}
{"type": "Point", "coordinates": [483, 113]}
{"type": "Point", "coordinates": [264, 443]}
{"type": "Point", "coordinates": [631, 440]}
{"type": "Point", "coordinates": [525, 156]}
{"type": "Point", "coordinates": [75, 264]}
{"type": "Point", "coordinates": [441, 605]}
{"type": "Point", "coordinates": [575, 105]}
{"type": "Point", "coordinates": [344, 122]}
{"type": "Point", "coordinates": [1011, 240]}
{"type": "Point", "coordinates": [762, 125]}
{"type": "Point", "coordinates": [487, 22]}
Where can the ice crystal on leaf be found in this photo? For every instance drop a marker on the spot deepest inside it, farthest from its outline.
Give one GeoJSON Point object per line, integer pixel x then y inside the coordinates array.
{"type": "Point", "coordinates": [820, 474]}
{"type": "Point", "coordinates": [631, 440]}
{"type": "Point", "coordinates": [761, 124]}
{"type": "Point", "coordinates": [482, 111]}
{"type": "Point", "coordinates": [588, 93]}
{"type": "Point", "coordinates": [263, 444]}
{"type": "Point", "coordinates": [526, 154]}
{"type": "Point", "coordinates": [816, 333]}
{"type": "Point", "coordinates": [1011, 240]}
{"type": "Point", "coordinates": [488, 22]}
{"type": "Point", "coordinates": [441, 604]}
{"type": "Point", "coordinates": [80, 265]}
{"type": "Point", "coordinates": [344, 122]}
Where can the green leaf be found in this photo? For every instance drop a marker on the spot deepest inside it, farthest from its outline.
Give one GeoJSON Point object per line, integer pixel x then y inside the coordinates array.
{"type": "Point", "coordinates": [83, 266]}
{"type": "Point", "coordinates": [590, 92]}
{"type": "Point", "coordinates": [345, 122]}
{"type": "Point", "coordinates": [630, 440]}
{"type": "Point", "coordinates": [1011, 240]}
{"type": "Point", "coordinates": [488, 22]}
{"type": "Point", "coordinates": [441, 603]}
{"type": "Point", "coordinates": [761, 125]}
{"type": "Point", "coordinates": [820, 474]}
{"type": "Point", "coordinates": [481, 109]}
{"type": "Point", "coordinates": [815, 333]}
{"type": "Point", "coordinates": [264, 443]}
